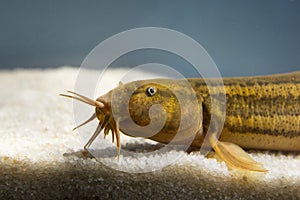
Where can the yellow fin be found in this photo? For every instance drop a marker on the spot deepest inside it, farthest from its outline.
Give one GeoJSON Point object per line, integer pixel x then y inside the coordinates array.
{"type": "Point", "coordinates": [234, 156]}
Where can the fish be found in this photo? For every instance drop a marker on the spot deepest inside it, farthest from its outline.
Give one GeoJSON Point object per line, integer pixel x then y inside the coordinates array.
{"type": "Point", "coordinates": [235, 114]}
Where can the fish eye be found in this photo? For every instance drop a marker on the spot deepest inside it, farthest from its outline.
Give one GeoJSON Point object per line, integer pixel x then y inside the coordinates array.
{"type": "Point", "coordinates": [151, 91]}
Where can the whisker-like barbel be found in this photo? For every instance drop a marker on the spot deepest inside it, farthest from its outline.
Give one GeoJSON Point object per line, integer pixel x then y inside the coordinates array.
{"type": "Point", "coordinates": [94, 136]}
{"type": "Point", "coordinates": [84, 99]}
{"type": "Point", "coordinates": [87, 121]}
{"type": "Point", "coordinates": [117, 127]}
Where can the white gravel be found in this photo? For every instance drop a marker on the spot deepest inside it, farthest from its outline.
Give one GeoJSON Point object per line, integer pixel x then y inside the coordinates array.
{"type": "Point", "coordinates": [40, 156]}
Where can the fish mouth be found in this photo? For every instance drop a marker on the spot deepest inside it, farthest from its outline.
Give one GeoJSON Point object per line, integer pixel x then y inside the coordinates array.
{"type": "Point", "coordinates": [103, 112]}
{"type": "Point", "coordinates": [108, 124]}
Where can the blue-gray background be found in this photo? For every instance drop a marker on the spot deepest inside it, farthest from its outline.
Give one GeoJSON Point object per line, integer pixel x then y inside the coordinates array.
{"type": "Point", "coordinates": [243, 37]}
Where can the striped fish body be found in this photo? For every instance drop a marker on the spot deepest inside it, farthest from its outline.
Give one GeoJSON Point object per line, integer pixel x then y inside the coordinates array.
{"type": "Point", "coordinates": [261, 112]}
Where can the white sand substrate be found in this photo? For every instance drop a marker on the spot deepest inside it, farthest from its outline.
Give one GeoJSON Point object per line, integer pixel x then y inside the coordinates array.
{"type": "Point", "coordinates": [41, 157]}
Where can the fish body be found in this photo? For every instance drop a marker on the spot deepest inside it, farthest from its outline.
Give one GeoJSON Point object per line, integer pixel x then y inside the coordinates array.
{"type": "Point", "coordinates": [249, 112]}
{"type": "Point", "coordinates": [261, 112]}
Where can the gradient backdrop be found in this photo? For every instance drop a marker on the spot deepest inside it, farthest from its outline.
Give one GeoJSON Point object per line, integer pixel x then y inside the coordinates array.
{"type": "Point", "coordinates": [243, 37]}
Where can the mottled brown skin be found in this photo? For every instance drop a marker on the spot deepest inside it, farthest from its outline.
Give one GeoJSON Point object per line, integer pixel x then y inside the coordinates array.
{"type": "Point", "coordinates": [140, 103]}
{"type": "Point", "coordinates": [261, 112]}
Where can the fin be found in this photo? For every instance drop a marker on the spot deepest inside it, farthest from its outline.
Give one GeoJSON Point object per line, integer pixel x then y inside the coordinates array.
{"type": "Point", "coordinates": [234, 156]}
{"type": "Point", "coordinates": [120, 84]}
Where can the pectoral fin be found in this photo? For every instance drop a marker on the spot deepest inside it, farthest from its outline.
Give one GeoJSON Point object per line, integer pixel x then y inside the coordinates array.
{"type": "Point", "coordinates": [234, 156]}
